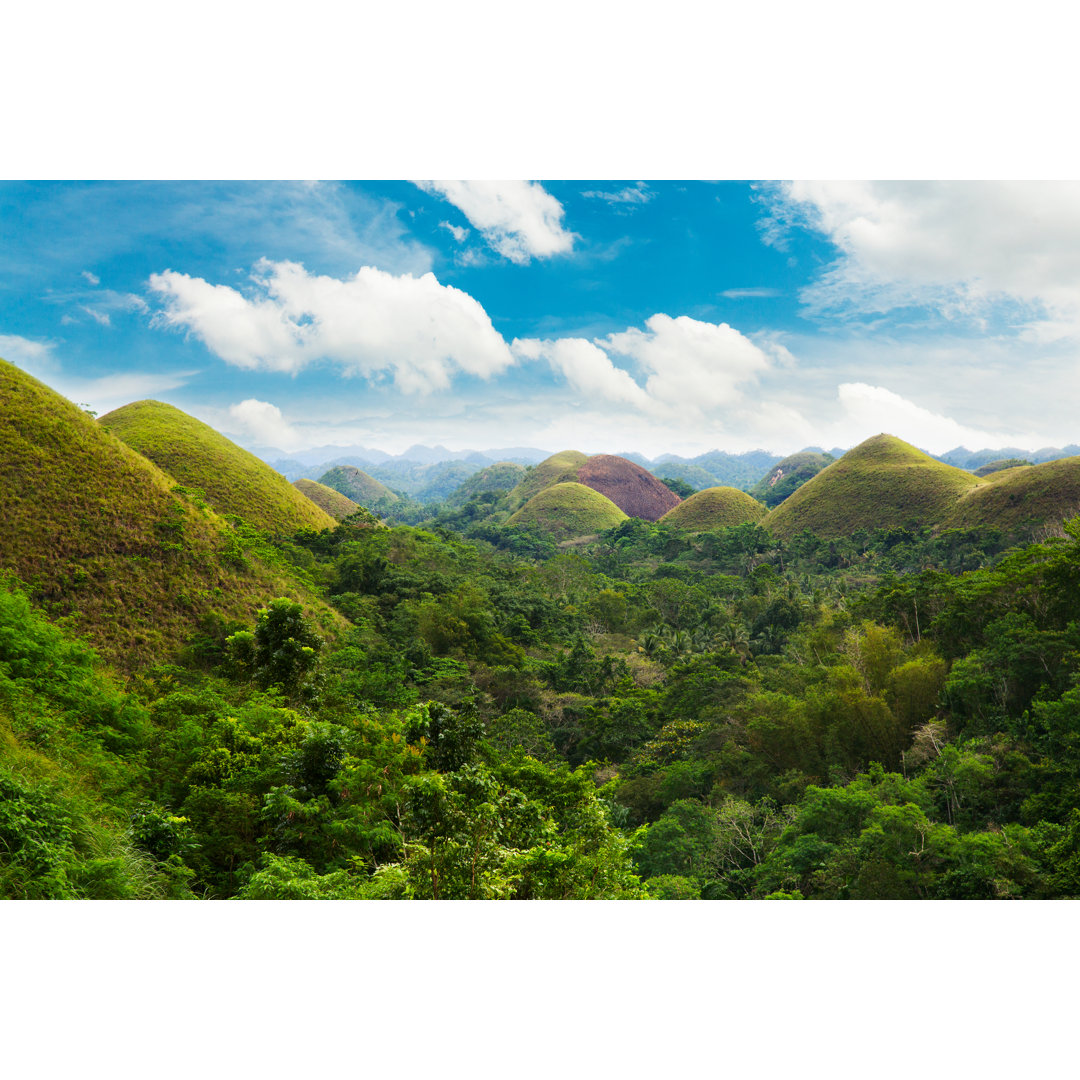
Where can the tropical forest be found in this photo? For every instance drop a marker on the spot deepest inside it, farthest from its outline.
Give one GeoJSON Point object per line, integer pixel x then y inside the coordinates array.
{"type": "Point", "coordinates": [848, 675]}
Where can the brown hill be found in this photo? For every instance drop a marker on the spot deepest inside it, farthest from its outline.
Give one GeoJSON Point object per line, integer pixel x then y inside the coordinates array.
{"type": "Point", "coordinates": [634, 491]}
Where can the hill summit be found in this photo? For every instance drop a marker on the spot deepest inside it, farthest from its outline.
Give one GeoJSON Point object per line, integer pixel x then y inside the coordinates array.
{"type": "Point", "coordinates": [100, 533]}
{"type": "Point", "coordinates": [233, 480]}
{"type": "Point", "coordinates": [882, 483]}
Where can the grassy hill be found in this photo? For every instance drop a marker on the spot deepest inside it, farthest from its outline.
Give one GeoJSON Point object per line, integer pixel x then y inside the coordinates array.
{"type": "Point", "coordinates": [566, 510]}
{"type": "Point", "coordinates": [1020, 497]}
{"type": "Point", "coordinates": [99, 534]}
{"type": "Point", "coordinates": [502, 476]}
{"type": "Point", "coordinates": [197, 456]}
{"type": "Point", "coordinates": [714, 508]}
{"type": "Point", "coordinates": [355, 484]}
{"type": "Point", "coordinates": [338, 506]}
{"type": "Point", "coordinates": [882, 483]}
{"type": "Point", "coordinates": [636, 492]}
{"type": "Point", "coordinates": [557, 469]}
{"type": "Point", "coordinates": [788, 475]}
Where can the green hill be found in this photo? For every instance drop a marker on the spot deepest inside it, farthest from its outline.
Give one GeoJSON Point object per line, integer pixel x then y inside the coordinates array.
{"type": "Point", "coordinates": [1024, 496]}
{"type": "Point", "coordinates": [355, 484]}
{"type": "Point", "coordinates": [567, 510]}
{"type": "Point", "coordinates": [714, 508]}
{"type": "Point", "coordinates": [1000, 465]}
{"type": "Point", "coordinates": [338, 506]}
{"type": "Point", "coordinates": [502, 476]}
{"type": "Point", "coordinates": [98, 533]}
{"type": "Point", "coordinates": [882, 483]}
{"type": "Point", "coordinates": [789, 475]}
{"type": "Point", "coordinates": [557, 469]}
{"type": "Point", "coordinates": [233, 481]}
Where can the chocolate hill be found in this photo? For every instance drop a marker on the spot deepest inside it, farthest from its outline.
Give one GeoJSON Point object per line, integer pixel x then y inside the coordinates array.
{"type": "Point", "coordinates": [714, 508]}
{"type": "Point", "coordinates": [634, 491]}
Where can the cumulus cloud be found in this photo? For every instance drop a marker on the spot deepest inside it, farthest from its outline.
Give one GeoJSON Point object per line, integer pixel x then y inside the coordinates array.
{"type": "Point", "coordinates": [691, 366]}
{"type": "Point", "coordinates": [518, 218]}
{"type": "Point", "coordinates": [587, 368]}
{"type": "Point", "coordinates": [92, 279]}
{"type": "Point", "coordinates": [264, 423]}
{"type": "Point", "coordinates": [870, 410]}
{"type": "Point", "coordinates": [371, 324]}
{"type": "Point", "coordinates": [958, 246]}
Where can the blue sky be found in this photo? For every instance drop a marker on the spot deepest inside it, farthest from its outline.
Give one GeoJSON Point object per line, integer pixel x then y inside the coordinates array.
{"type": "Point", "coordinates": [603, 316]}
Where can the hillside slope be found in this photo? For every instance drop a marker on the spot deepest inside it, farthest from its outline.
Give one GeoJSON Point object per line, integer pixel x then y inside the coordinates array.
{"type": "Point", "coordinates": [558, 469]}
{"type": "Point", "coordinates": [357, 485]}
{"type": "Point", "coordinates": [568, 510]}
{"type": "Point", "coordinates": [233, 480]}
{"type": "Point", "coordinates": [788, 476]}
{"type": "Point", "coordinates": [714, 508]}
{"type": "Point", "coordinates": [1024, 496]}
{"type": "Point", "coordinates": [882, 483]}
{"type": "Point", "coordinates": [98, 533]}
{"type": "Point", "coordinates": [502, 476]}
{"type": "Point", "coordinates": [636, 492]}
{"type": "Point", "coordinates": [338, 506]}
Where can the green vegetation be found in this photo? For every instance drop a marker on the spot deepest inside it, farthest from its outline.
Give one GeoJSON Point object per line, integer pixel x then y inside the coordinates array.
{"type": "Point", "coordinates": [568, 510]}
{"type": "Point", "coordinates": [883, 483]}
{"type": "Point", "coordinates": [356, 485]}
{"type": "Point", "coordinates": [338, 506]}
{"type": "Point", "coordinates": [558, 469]}
{"type": "Point", "coordinates": [100, 534]}
{"type": "Point", "coordinates": [787, 476]}
{"type": "Point", "coordinates": [714, 508]}
{"type": "Point", "coordinates": [564, 702]}
{"type": "Point", "coordinates": [999, 465]}
{"type": "Point", "coordinates": [230, 479]}
{"type": "Point", "coordinates": [502, 476]}
{"type": "Point", "coordinates": [1021, 497]}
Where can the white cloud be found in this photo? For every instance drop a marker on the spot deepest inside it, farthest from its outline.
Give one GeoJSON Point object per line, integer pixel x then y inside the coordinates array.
{"type": "Point", "coordinates": [958, 246]}
{"type": "Point", "coordinates": [458, 232]}
{"type": "Point", "coordinates": [92, 279]}
{"type": "Point", "coordinates": [692, 366]}
{"type": "Point", "coordinates": [371, 324]}
{"type": "Point", "coordinates": [518, 218]}
{"type": "Point", "coordinates": [751, 293]}
{"type": "Point", "coordinates": [870, 410]}
{"type": "Point", "coordinates": [264, 423]}
{"type": "Point", "coordinates": [100, 317]}
{"type": "Point", "coordinates": [629, 198]}
{"type": "Point", "coordinates": [32, 356]}
{"type": "Point", "coordinates": [587, 368]}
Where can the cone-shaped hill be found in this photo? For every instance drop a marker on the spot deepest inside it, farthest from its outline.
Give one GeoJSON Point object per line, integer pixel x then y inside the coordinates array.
{"type": "Point", "coordinates": [1024, 496]}
{"type": "Point", "coordinates": [630, 487]}
{"type": "Point", "coordinates": [338, 506]}
{"type": "Point", "coordinates": [634, 491]}
{"type": "Point", "coordinates": [233, 480]}
{"type": "Point", "coordinates": [789, 475]}
{"type": "Point", "coordinates": [558, 469]}
{"type": "Point", "coordinates": [355, 484]}
{"type": "Point", "coordinates": [714, 508]}
{"type": "Point", "coordinates": [502, 476]}
{"type": "Point", "coordinates": [568, 510]}
{"type": "Point", "coordinates": [883, 483]}
{"type": "Point", "coordinates": [96, 531]}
